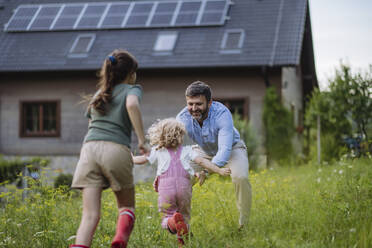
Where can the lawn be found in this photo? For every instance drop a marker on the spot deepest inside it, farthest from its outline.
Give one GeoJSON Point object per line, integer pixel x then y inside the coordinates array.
{"type": "Point", "coordinates": [303, 206]}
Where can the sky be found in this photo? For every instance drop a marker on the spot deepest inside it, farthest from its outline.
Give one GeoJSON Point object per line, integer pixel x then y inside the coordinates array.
{"type": "Point", "coordinates": [342, 30]}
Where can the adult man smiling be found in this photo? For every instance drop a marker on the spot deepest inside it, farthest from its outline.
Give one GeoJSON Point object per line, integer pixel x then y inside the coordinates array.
{"type": "Point", "coordinates": [210, 125]}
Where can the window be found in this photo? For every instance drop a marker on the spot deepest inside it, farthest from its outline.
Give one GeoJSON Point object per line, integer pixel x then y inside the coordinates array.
{"type": "Point", "coordinates": [82, 45]}
{"type": "Point", "coordinates": [232, 41]}
{"type": "Point", "coordinates": [165, 42]}
{"type": "Point", "coordinates": [238, 105]}
{"type": "Point", "coordinates": [40, 119]}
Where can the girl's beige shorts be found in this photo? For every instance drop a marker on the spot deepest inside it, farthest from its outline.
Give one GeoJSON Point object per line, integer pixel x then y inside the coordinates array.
{"type": "Point", "coordinates": [104, 164]}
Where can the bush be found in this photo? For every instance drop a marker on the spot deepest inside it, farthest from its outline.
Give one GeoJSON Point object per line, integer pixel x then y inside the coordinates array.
{"type": "Point", "coordinates": [248, 135]}
{"type": "Point", "coordinates": [63, 180]}
{"type": "Point", "coordinates": [279, 128]}
{"type": "Point", "coordinates": [345, 110]}
{"type": "Point", "coordinates": [11, 169]}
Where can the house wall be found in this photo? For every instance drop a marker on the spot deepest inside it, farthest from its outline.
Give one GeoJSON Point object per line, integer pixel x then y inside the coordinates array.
{"type": "Point", "coordinates": [66, 88]}
{"type": "Point", "coordinates": [292, 97]}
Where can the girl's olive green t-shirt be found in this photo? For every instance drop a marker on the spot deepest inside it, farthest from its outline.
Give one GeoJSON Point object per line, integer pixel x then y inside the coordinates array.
{"type": "Point", "coordinates": [115, 125]}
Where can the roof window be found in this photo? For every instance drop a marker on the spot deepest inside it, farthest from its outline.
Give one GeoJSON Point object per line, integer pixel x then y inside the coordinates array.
{"type": "Point", "coordinates": [165, 42]}
{"type": "Point", "coordinates": [82, 45]}
{"type": "Point", "coordinates": [232, 41]}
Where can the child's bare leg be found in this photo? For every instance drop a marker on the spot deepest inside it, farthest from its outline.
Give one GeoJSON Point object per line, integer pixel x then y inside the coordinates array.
{"type": "Point", "coordinates": [90, 217]}
{"type": "Point", "coordinates": [125, 199]}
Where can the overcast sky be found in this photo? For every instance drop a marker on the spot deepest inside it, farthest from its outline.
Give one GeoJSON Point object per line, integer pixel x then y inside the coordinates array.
{"type": "Point", "coordinates": [342, 29]}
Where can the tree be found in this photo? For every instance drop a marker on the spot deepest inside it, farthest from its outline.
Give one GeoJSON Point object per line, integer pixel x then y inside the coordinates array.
{"type": "Point", "coordinates": [347, 104]}
{"type": "Point", "coordinates": [361, 102]}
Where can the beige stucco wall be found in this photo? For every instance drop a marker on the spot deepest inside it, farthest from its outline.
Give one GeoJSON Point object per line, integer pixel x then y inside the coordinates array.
{"type": "Point", "coordinates": [292, 93]}
{"type": "Point", "coordinates": [66, 89]}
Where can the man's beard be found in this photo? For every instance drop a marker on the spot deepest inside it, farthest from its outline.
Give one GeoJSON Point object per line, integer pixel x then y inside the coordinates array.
{"type": "Point", "coordinates": [202, 115]}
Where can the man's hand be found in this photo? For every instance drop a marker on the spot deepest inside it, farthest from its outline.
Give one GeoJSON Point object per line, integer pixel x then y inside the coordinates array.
{"type": "Point", "coordinates": [224, 171]}
{"type": "Point", "coordinates": [144, 148]}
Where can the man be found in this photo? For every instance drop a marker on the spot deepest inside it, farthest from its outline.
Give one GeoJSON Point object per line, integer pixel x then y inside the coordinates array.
{"type": "Point", "coordinates": [210, 125]}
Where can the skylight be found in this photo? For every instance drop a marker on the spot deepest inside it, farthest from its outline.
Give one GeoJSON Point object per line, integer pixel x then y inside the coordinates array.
{"type": "Point", "coordinates": [232, 41]}
{"type": "Point", "coordinates": [82, 45]}
{"type": "Point", "coordinates": [165, 42]}
{"type": "Point", "coordinates": [118, 15]}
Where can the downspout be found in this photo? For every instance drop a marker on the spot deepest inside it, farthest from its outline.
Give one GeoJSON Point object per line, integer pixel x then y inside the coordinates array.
{"type": "Point", "coordinates": [265, 75]}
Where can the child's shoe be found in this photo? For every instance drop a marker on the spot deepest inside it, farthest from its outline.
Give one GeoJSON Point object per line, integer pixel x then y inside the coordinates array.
{"type": "Point", "coordinates": [123, 229]}
{"type": "Point", "coordinates": [180, 224]}
{"type": "Point", "coordinates": [180, 241]}
{"type": "Point", "coordinates": [172, 225]}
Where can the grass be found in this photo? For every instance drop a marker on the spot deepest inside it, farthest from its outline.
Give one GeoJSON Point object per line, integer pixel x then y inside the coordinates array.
{"type": "Point", "coordinates": [304, 206]}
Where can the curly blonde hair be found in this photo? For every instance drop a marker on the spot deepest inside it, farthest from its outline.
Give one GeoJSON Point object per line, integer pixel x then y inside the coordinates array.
{"type": "Point", "coordinates": [166, 133]}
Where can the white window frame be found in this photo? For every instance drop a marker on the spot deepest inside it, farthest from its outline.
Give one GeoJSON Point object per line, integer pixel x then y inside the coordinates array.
{"type": "Point", "coordinates": [166, 51]}
{"type": "Point", "coordinates": [226, 36]}
{"type": "Point", "coordinates": [73, 54]}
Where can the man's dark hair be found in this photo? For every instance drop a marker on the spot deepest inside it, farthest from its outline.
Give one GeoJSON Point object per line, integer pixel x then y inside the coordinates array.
{"type": "Point", "coordinates": [199, 88]}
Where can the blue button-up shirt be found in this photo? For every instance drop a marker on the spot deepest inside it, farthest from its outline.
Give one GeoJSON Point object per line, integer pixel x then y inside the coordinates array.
{"type": "Point", "coordinates": [216, 136]}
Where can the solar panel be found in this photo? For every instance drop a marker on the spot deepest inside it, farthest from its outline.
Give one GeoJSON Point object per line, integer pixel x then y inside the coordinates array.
{"type": "Point", "coordinates": [215, 5]}
{"type": "Point", "coordinates": [44, 18]}
{"type": "Point", "coordinates": [68, 17]}
{"type": "Point", "coordinates": [130, 14]}
{"type": "Point", "coordinates": [26, 11]}
{"type": "Point", "coordinates": [115, 15]}
{"type": "Point", "coordinates": [190, 6]}
{"type": "Point", "coordinates": [214, 12]}
{"type": "Point", "coordinates": [188, 13]}
{"type": "Point", "coordinates": [21, 18]}
{"type": "Point", "coordinates": [139, 15]}
{"type": "Point", "coordinates": [91, 16]}
{"type": "Point", "coordinates": [163, 14]}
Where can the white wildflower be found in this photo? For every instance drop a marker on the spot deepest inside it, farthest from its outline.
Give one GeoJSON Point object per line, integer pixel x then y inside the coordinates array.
{"type": "Point", "coordinates": [318, 180]}
{"type": "Point", "coordinates": [340, 172]}
{"type": "Point", "coordinates": [72, 237]}
{"type": "Point", "coordinates": [38, 233]}
{"type": "Point", "coordinates": [319, 170]}
{"type": "Point", "coordinates": [353, 230]}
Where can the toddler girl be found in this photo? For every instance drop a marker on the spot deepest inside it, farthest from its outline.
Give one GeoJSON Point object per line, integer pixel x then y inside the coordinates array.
{"type": "Point", "coordinates": [174, 173]}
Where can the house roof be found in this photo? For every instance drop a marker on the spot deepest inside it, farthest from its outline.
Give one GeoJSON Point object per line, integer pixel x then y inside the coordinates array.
{"type": "Point", "coordinates": [273, 36]}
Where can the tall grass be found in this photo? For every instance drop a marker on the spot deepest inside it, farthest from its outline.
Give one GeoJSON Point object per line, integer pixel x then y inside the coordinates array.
{"type": "Point", "coordinates": [306, 206]}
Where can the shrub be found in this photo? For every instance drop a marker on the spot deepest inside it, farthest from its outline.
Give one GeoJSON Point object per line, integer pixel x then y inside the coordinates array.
{"type": "Point", "coordinates": [279, 128]}
{"type": "Point", "coordinates": [248, 135]}
{"type": "Point", "coordinates": [63, 180]}
{"type": "Point", "coordinates": [10, 169]}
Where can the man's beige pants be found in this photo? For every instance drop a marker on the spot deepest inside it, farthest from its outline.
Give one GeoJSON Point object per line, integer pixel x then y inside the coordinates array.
{"type": "Point", "coordinates": [239, 166]}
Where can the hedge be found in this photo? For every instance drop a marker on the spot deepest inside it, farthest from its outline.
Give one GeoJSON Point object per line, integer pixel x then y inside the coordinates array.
{"type": "Point", "coordinates": [10, 169]}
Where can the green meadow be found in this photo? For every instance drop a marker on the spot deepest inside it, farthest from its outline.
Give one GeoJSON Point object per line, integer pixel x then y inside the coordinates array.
{"type": "Point", "coordinates": [303, 206]}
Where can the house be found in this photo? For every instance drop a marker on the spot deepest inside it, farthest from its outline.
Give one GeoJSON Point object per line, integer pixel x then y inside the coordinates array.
{"type": "Point", "coordinates": [50, 51]}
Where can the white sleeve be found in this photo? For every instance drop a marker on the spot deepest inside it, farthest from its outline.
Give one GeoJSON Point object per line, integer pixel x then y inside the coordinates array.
{"type": "Point", "coordinates": [153, 156]}
{"type": "Point", "coordinates": [191, 154]}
